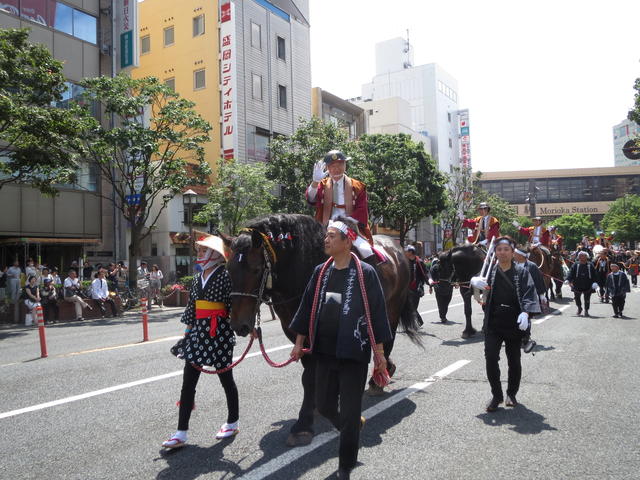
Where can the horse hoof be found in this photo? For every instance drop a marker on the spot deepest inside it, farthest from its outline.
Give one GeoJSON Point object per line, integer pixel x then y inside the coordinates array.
{"type": "Point", "coordinates": [469, 333]}
{"type": "Point", "coordinates": [375, 391]}
{"type": "Point", "coordinates": [299, 439]}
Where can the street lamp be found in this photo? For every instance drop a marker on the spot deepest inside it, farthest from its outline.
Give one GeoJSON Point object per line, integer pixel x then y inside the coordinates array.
{"type": "Point", "coordinates": [188, 201]}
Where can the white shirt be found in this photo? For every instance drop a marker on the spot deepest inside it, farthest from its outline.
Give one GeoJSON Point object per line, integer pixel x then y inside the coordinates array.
{"type": "Point", "coordinates": [99, 289]}
{"type": "Point", "coordinates": [536, 233]}
{"type": "Point", "coordinates": [338, 197]}
{"type": "Point", "coordinates": [13, 273]}
{"type": "Point", "coordinates": [156, 275]}
{"type": "Point", "coordinates": [69, 282]}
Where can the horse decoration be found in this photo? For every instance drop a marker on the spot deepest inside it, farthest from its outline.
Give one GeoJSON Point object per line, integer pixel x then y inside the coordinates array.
{"type": "Point", "coordinates": [458, 266]}
{"type": "Point", "coordinates": [273, 260]}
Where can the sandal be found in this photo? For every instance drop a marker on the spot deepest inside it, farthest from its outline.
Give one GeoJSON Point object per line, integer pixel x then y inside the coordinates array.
{"type": "Point", "coordinates": [174, 443]}
{"type": "Point", "coordinates": [227, 431]}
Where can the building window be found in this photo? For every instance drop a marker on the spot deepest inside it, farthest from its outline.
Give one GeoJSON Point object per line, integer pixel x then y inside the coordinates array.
{"type": "Point", "coordinates": [255, 36]}
{"type": "Point", "coordinates": [198, 25]}
{"type": "Point", "coordinates": [450, 143]}
{"type": "Point", "coordinates": [199, 79]}
{"type": "Point", "coordinates": [168, 36]}
{"type": "Point", "coordinates": [449, 116]}
{"type": "Point", "coordinates": [145, 44]}
{"type": "Point", "coordinates": [281, 49]}
{"type": "Point", "coordinates": [282, 96]}
{"type": "Point", "coordinates": [84, 26]}
{"type": "Point", "coordinates": [256, 86]}
{"type": "Point", "coordinates": [171, 83]}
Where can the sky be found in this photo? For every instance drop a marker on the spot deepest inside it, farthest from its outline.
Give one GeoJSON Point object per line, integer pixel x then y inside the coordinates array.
{"type": "Point", "coordinates": [544, 81]}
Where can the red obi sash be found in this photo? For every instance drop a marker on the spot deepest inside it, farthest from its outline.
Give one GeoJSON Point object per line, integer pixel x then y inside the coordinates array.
{"type": "Point", "coordinates": [213, 310]}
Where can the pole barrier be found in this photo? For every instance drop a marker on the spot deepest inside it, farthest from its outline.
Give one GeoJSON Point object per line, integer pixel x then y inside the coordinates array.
{"type": "Point", "coordinates": [43, 339]}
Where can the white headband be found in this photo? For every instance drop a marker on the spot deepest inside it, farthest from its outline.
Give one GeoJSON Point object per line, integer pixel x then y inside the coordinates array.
{"type": "Point", "coordinates": [343, 227]}
{"type": "Point", "coordinates": [504, 240]}
{"type": "Point", "coordinates": [520, 252]}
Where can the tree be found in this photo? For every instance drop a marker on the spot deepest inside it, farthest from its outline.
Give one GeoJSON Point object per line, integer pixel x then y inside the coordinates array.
{"type": "Point", "coordinates": [403, 182]}
{"type": "Point", "coordinates": [239, 193]}
{"type": "Point", "coordinates": [634, 113]}
{"type": "Point", "coordinates": [459, 198]}
{"type": "Point", "coordinates": [154, 151]}
{"type": "Point", "coordinates": [292, 158]}
{"type": "Point", "coordinates": [37, 140]}
{"type": "Point", "coordinates": [623, 218]}
{"type": "Point", "coordinates": [573, 227]}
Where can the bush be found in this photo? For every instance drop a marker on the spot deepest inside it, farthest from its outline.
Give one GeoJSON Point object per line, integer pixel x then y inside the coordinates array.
{"type": "Point", "coordinates": [186, 281]}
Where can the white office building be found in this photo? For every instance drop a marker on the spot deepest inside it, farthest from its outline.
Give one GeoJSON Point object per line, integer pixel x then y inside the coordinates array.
{"type": "Point", "coordinates": [623, 133]}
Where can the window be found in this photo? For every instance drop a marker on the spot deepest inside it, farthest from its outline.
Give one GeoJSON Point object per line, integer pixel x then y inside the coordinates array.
{"type": "Point", "coordinates": [84, 26]}
{"type": "Point", "coordinates": [282, 53]}
{"type": "Point", "coordinates": [256, 86]}
{"type": "Point", "coordinates": [198, 25]}
{"type": "Point", "coordinates": [199, 79]}
{"type": "Point", "coordinates": [168, 36]}
{"type": "Point", "coordinates": [449, 116]}
{"type": "Point", "coordinates": [63, 20]}
{"type": "Point", "coordinates": [145, 44]}
{"type": "Point", "coordinates": [255, 36]}
{"type": "Point", "coordinates": [450, 143]}
{"type": "Point", "coordinates": [282, 96]}
{"type": "Point", "coordinates": [171, 83]}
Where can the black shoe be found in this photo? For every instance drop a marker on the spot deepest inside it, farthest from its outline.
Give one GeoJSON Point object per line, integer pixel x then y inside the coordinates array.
{"type": "Point", "coordinates": [529, 346]}
{"type": "Point", "coordinates": [586, 313]}
{"type": "Point", "coordinates": [444, 320]}
{"type": "Point", "coordinates": [615, 315]}
{"type": "Point", "coordinates": [344, 473]}
{"type": "Point", "coordinates": [492, 406]}
{"type": "Point", "coordinates": [579, 311]}
{"type": "Point", "coordinates": [510, 401]}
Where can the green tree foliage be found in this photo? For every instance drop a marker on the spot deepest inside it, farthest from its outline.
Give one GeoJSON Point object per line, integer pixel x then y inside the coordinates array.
{"type": "Point", "coordinates": [623, 218]}
{"type": "Point", "coordinates": [239, 193]}
{"type": "Point", "coordinates": [155, 149]}
{"type": "Point", "coordinates": [37, 140]}
{"type": "Point", "coordinates": [459, 198]}
{"type": "Point", "coordinates": [291, 161]}
{"type": "Point", "coordinates": [573, 227]}
{"type": "Point", "coordinates": [403, 182]}
{"type": "Point", "coordinates": [634, 113]}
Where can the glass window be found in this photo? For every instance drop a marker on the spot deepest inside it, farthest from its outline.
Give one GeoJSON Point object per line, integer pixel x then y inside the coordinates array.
{"type": "Point", "coordinates": [171, 83]}
{"type": "Point", "coordinates": [198, 25]}
{"type": "Point", "coordinates": [623, 131]}
{"type": "Point", "coordinates": [282, 96]}
{"type": "Point", "coordinates": [168, 36]}
{"type": "Point", "coordinates": [199, 79]}
{"type": "Point", "coordinates": [62, 16]}
{"type": "Point", "coordinates": [282, 53]}
{"type": "Point", "coordinates": [84, 26]}
{"type": "Point", "coordinates": [255, 36]}
{"type": "Point", "coordinates": [34, 10]}
{"type": "Point", "coordinates": [256, 89]}
{"type": "Point", "coordinates": [145, 44]}
{"type": "Point", "coordinates": [10, 6]}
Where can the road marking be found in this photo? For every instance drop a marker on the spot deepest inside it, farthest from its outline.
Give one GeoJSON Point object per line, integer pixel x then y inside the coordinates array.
{"type": "Point", "coordinates": [544, 319]}
{"type": "Point", "coordinates": [127, 345]}
{"type": "Point", "coordinates": [435, 309]}
{"type": "Point", "coordinates": [75, 398]}
{"type": "Point", "coordinates": [287, 458]}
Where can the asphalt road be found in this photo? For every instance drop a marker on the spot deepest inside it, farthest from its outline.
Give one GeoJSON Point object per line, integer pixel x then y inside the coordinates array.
{"type": "Point", "coordinates": [102, 402]}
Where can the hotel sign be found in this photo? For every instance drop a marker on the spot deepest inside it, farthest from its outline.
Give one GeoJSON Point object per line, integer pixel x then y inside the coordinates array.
{"type": "Point", "coordinates": [127, 28]}
{"type": "Point", "coordinates": [228, 64]}
{"type": "Point", "coordinates": [558, 209]}
{"type": "Point", "coordinates": [465, 142]}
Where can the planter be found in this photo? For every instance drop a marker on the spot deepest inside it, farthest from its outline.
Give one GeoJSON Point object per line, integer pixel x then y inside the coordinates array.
{"type": "Point", "coordinates": [177, 298]}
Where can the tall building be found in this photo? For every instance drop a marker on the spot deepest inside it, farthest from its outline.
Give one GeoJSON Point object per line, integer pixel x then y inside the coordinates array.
{"type": "Point", "coordinates": [76, 223]}
{"type": "Point", "coordinates": [339, 112]}
{"type": "Point", "coordinates": [623, 134]}
{"type": "Point", "coordinates": [245, 64]}
{"type": "Point", "coordinates": [430, 91]}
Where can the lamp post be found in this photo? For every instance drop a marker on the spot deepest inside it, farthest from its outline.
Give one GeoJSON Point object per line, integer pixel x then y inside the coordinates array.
{"type": "Point", "coordinates": [188, 200]}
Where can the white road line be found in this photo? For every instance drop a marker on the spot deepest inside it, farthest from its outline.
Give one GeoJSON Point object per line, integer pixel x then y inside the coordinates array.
{"type": "Point", "coordinates": [544, 319]}
{"type": "Point", "coordinates": [75, 398]}
{"type": "Point", "coordinates": [292, 455]}
{"type": "Point", "coordinates": [435, 309]}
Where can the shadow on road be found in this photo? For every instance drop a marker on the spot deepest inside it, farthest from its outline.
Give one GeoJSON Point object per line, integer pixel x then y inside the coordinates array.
{"type": "Point", "coordinates": [521, 419]}
{"type": "Point", "coordinates": [193, 461]}
{"type": "Point", "coordinates": [477, 338]}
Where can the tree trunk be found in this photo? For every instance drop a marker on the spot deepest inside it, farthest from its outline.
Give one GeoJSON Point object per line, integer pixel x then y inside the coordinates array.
{"type": "Point", "coordinates": [134, 250]}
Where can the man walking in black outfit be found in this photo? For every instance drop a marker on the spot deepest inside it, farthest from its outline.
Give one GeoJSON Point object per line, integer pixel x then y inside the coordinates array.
{"type": "Point", "coordinates": [443, 290]}
{"type": "Point", "coordinates": [582, 279]}
{"type": "Point", "coordinates": [417, 280]}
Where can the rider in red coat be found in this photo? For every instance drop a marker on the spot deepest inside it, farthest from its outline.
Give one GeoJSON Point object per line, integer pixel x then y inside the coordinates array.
{"type": "Point", "coordinates": [537, 235]}
{"type": "Point", "coordinates": [485, 226]}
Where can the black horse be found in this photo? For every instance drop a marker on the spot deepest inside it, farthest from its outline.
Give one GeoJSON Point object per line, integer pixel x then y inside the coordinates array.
{"type": "Point", "coordinates": [274, 258]}
{"type": "Point", "coordinates": [458, 265]}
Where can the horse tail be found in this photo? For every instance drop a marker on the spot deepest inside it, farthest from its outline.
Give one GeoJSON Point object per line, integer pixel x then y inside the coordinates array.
{"type": "Point", "coordinates": [410, 322]}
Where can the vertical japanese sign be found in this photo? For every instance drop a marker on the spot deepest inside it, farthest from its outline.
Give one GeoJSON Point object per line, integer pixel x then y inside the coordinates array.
{"type": "Point", "coordinates": [127, 32]}
{"type": "Point", "coordinates": [228, 67]}
{"type": "Point", "coordinates": [465, 143]}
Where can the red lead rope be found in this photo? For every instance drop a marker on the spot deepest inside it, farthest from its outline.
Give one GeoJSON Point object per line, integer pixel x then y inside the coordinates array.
{"type": "Point", "coordinates": [226, 369]}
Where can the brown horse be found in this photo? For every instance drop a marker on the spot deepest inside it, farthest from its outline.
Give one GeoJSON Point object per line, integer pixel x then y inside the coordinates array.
{"type": "Point", "coordinates": [274, 259]}
{"type": "Point", "coordinates": [541, 256]}
{"type": "Point", "coordinates": [557, 273]}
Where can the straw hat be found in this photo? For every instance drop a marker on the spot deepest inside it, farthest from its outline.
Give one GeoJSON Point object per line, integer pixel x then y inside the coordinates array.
{"type": "Point", "coordinates": [214, 243]}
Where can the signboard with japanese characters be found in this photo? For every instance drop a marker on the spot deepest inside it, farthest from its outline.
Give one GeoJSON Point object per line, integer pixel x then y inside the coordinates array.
{"type": "Point", "coordinates": [229, 106]}
{"type": "Point", "coordinates": [465, 142]}
{"type": "Point", "coordinates": [127, 29]}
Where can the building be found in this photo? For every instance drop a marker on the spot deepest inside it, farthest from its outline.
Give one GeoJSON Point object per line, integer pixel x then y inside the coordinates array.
{"type": "Point", "coordinates": [76, 223]}
{"type": "Point", "coordinates": [624, 133]}
{"type": "Point", "coordinates": [339, 112]}
{"type": "Point", "coordinates": [430, 91]}
{"type": "Point", "coordinates": [565, 191]}
{"type": "Point", "coordinates": [245, 64]}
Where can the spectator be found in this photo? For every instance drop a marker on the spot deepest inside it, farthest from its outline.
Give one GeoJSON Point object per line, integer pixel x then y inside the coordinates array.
{"type": "Point", "coordinates": [87, 270]}
{"type": "Point", "coordinates": [75, 268]}
{"type": "Point", "coordinates": [3, 283]}
{"type": "Point", "coordinates": [121, 275]}
{"type": "Point", "coordinates": [143, 271]}
{"type": "Point", "coordinates": [13, 281]}
{"type": "Point", "coordinates": [55, 278]}
{"type": "Point", "coordinates": [100, 293]}
{"type": "Point", "coordinates": [45, 275]}
{"type": "Point", "coordinates": [31, 295]}
{"type": "Point", "coordinates": [49, 300]}
{"type": "Point", "coordinates": [155, 282]}
{"type": "Point", "coordinates": [72, 293]}
{"type": "Point", "coordinates": [30, 269]}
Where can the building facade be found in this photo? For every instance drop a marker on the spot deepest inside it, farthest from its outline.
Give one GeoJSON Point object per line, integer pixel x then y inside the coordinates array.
{"type": "Point", "coordinates": [624, 133]}
{"type": "Point", "coordinates": [565, 191]}
{"type": "Point", "coordinates": [341, 113]}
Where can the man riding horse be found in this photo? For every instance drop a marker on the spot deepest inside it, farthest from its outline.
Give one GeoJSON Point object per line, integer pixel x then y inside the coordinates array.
{"type": "Point", "coordinates": [537, 234]}
{"type": "Point", "coordinates": [557, 240]}
{"type": "Point", "coordinates": [485, 227]}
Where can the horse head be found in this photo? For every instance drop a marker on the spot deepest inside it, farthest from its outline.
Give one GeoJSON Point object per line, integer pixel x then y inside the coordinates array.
{"type": "Point", "coordinates": [250, 270]}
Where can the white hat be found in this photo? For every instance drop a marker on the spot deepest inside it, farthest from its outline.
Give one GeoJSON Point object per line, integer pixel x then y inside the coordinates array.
{"type": "Point", "coordinates": [582, 252]}
{"type": "Point", "coordinates": [214, 243]}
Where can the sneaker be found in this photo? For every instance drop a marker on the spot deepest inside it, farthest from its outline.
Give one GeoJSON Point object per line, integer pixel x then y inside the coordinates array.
{"type": "Point", "coordinates": [228, 430]}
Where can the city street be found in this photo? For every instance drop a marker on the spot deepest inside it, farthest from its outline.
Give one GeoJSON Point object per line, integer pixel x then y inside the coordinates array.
{"type": "Point", "coordinates": [102, 403]}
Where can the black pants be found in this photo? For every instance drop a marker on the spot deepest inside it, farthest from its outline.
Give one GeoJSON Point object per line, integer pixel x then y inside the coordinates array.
{"type": "Point", "coordinates": [339, 388]}
{"type": "Point", "coordinates": [414, 298]}
{"type": "Point", "coordinates": [587, 298]}
{"type": "Point", "coordinates": [48, 308]}
{"type": "Point", "coordinates": [618, 304]}
{"type": "Point", "coordinates": [112, 304]}
{"type": "Point", "coordinates": [634, 280]}
{"type": "Point", "coordinates": [443, 298]}
{"type": "Point", "coordinates": [492, 344]}
{"type": "Point", "coordinates": [188, 394]}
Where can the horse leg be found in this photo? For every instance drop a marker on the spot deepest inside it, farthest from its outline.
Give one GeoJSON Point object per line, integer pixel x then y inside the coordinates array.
{"type": "Point", "coordinates": [467, 294]}
{"type": "Point", "coordinates": [558, 288]}
{"type": "Point", "coordinates": [301, 432]}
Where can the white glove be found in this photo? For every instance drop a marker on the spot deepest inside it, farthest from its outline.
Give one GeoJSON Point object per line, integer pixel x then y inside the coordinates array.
{"type": "Point", "coordinates": [479, 282]}
{"type": "Point", "coordinates": [319, 171]}
{"type": "Point", "coordinates": [595, 286]}
{"type": "Point", "coordinates": [483, 242]}
{"type": "Point", "coordinates": [515, 224]}
{"type": "Point", "coordinates": [431, 282]}
{"type": "Point", "coordinates": [543, 300]}
{"type": "Point", "coordinates": [523, 321]}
